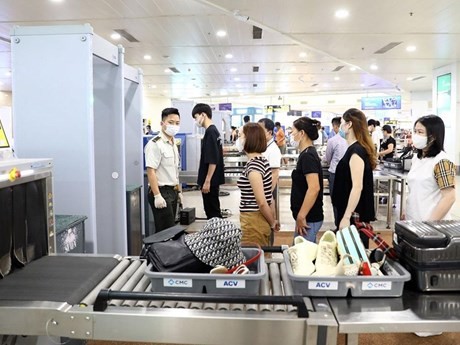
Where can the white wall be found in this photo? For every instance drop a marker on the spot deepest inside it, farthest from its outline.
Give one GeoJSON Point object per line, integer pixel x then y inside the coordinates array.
{"type": "Point", "coordinates": [152, 110]}
{"type": "Point", "coordinates": [5, 98]}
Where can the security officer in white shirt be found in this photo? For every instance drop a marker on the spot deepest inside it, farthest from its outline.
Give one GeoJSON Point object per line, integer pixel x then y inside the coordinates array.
{"type": "Point", "coordinates": [162, 162]}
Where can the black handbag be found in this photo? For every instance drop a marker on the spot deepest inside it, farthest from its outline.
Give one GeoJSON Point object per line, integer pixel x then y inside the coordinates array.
{"type": "Point", "coordinates": [166, 251]}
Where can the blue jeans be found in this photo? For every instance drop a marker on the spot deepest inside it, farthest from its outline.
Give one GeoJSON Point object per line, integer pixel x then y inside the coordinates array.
{"type": "Point", "coordinates": [311, 232]}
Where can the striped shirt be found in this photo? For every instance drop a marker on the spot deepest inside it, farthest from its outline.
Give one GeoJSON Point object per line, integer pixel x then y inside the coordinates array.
{"type": "Point", "coordinates": [248, 200]}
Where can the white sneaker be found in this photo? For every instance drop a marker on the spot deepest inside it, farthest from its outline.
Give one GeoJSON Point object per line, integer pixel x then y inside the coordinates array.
{"type": "Point", "coordinates": [427, 334]}
{"type": "Point", "coordinates": [301, 256]}
{"type": "Point", "coordinates": [326, 259]}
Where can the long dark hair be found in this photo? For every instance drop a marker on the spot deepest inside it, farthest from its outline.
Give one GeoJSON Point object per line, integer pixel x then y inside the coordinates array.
{"type": "Point", "coordinates": [435, 131]}
{"type": "Point", "coordinates": [359, 123]}
{"type": "Point", "coordinates": [309, 126]}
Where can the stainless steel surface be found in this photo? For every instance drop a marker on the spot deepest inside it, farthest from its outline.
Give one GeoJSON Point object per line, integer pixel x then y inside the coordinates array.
{"type": "Point", "coordinates": [379, 176]}
{"type": "Point", "coordinates": [155, 321]}
{"type": "Point", "coordinates": [413, 312]}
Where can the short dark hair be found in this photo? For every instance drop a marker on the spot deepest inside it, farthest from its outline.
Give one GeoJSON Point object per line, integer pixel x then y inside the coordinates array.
{"type": "Point", "coordinates": [268, 124]}
{"type": "Point", "coordinates": [377, 122]}
{"type": "Point", "coordinates": [387, 128]}
{"type": "Point", "coordinates": [277, 124]}
{"type": "Point", "coordinates": [246, 119]}
{"type": "Point", "coordinates": [309, 126]}
{"type": "Point", "coordinates": [202, 108]}
{"type": "Point", "coordinates": [371, 122]}
{"type": "Point", "coordinates": [255, 141]}
{"type": "Point", "coordinates": [169, 111]}
{"type": "Point", "coordinates": [435, 131]}
{"type": "Point", "coordinates": [336, 120]}
{"type": "Point", "coordinates": [148, 126]}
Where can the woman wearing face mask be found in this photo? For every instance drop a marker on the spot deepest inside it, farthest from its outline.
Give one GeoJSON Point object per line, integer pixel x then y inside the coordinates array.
{"type": "Point", "coordinates": [256, 216]}
{"type": "Point", "coordinates": [307, 180]}
{"type": "Point", "coordinates": [431, 179]}
{"type": "Point", "coordinates": [354, 185]}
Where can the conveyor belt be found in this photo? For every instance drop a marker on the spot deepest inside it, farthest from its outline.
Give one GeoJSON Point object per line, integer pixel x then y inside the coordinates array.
{"type": "Point", "coordinates": [184, 320]}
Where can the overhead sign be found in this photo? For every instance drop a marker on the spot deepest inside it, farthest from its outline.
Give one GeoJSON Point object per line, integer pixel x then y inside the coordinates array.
{"type": "Point", "coordinates": [277, 108]}
{"type": "Point", "coordinates": [316, 114]}
{"type": "Point", "coordinates": [381, 103]}
{"type": "Point", "coordinates": [294, 113]}
{"type": "Point", "coordinates": [225, 106]}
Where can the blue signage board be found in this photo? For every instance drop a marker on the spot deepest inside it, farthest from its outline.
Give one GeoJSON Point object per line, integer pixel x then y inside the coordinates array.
{"type": "Point", "coordinates": [316, 114]}
{"type": "Point", "coordinates": [225, 106]}
{"type": "Point", "coordinates": [381, 103]}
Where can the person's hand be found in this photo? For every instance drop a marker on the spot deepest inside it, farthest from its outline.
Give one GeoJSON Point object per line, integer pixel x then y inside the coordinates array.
{"type": "Point", "coordinates": [206, 187]}
{"type": "Point", "coordinates": [275, 226]}
{"type": "Point", "coordinates": [344, 223]}
{"type": "Point", "coordinates": [301, 225]}
{"type": "Point", "coordinates": [180, 198]}
{"type": "Point", "coordinates": [160, 202]}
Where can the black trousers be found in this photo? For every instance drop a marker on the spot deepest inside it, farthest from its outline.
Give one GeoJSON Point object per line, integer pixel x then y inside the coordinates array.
{"type": "Point", "coordinates": [211, 203]}
{"type": "Point", "coordinates": [164, 217]}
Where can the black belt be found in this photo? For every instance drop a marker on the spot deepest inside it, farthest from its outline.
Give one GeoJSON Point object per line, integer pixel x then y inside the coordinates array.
{"type": "Point", "coordinates": [169, 187]}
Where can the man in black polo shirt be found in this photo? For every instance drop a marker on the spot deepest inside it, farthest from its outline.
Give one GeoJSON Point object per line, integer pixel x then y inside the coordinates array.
{"type": "Point", "coordinates": [211, 170]}
{"type": "Point", "coordinates": [388, 146]}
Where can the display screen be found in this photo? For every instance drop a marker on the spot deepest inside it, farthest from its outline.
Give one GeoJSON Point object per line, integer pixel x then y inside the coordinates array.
{"type": "Point", "coordinates": [381, 103]}
{"type": "Point", "coordinates": [3, 139]}
{"type": "Point", "coordinates": [444, 95]}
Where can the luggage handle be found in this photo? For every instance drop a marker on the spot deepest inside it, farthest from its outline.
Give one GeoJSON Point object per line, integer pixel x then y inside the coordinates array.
{"type": "Point", "coordinates": [106, 295]}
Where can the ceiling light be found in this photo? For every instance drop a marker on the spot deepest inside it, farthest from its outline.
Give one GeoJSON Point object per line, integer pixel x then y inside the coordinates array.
{"type": "Point", "coordinates": [292, 69]}
{"type": "Point", "coordinates": [57, 0]}
{"type": "Point", "coordinates": [8, 73]}
{"type": "Point", "coordinates": [409, 78]}
{"type": "Point", "coordinates": [336, 78]}
{"type": "Point", "coordinates": [115, 36]}
{"type": "Point", "coordinates": [352, 68]}
{"type": "Point", "coordinates": [238, 85]}
{"type": "Point", "coordinates": [165, 91]}
{"type": "Point", "coordinates": [221, 33]}
{"type": "Point", "coordinates": [233, 69]}
{"type": "Point", "coordinates": [411, 48]}
{"type": "Point", "coordinates": [342, 13]}
{"type": "Point", "coordinates": [167, 70]}
{"type": "Point", "coordinates": [302, 54]}
{"type": "Point", "coordinates": [147, 57]}
{"type": "Point", "coordinates": [228, 56]}
{"type": "Point", "coordinates": [362, 85]}
{"type": "Point", "coordinates": [325, 85]}
{"type": "Point", "coordinates": [236, 79]}
{"type": "Point", "coordinates": [374, 67]}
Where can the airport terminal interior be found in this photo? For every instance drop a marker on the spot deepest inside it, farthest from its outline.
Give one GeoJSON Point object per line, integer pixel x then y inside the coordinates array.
{"type": "Point", "coordinates": [83, 84]}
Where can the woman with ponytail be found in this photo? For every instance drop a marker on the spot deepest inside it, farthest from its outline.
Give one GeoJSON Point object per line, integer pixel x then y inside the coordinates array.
{"type": "Point", "coordinates": [354, 183]}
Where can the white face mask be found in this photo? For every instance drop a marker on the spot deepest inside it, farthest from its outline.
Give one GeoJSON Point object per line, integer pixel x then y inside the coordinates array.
{"type": "Point", "coordinates": [293, 142]}
{"type": "Point", "coordinates": [197, 122]}
{"type": "Point", "coordinates": [419, 141]}
{"type": "Point", "coordinates": [239, 144]}
{"type": "Point", "coordinates": [171, 130]}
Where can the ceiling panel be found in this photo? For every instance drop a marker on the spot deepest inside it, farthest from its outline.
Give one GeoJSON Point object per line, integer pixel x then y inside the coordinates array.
{"type": "Point", "coordinates": [182, 34]}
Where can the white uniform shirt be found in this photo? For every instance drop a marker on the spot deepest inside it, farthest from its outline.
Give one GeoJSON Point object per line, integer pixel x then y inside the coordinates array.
{"type": "Point", "coordinates": [272, 154]}
{"type": "Point", "coordinates": [424, 190]}
{"type": "Point", "coordinates": [163, 156]}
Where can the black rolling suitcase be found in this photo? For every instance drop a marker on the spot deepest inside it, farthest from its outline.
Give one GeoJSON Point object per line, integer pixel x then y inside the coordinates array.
{"type": "Point", "coordinates": [430, 251]}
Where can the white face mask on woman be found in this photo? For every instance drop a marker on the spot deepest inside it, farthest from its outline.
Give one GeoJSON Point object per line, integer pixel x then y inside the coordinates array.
{"type": "Point", "coordinates": [419, 141]}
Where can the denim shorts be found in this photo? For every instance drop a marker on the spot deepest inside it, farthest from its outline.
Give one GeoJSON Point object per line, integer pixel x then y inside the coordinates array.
{"type": "Point", "coordinates": [312, 231]}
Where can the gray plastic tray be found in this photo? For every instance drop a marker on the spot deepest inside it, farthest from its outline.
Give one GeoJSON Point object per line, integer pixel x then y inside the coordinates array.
{"type": "Point", "coordinates": [236, 284]}
{"type": "Point", "coordinates": [360, 286]}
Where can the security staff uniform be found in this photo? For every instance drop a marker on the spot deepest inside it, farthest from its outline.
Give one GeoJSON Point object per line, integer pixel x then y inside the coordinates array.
{"type": "Point", "coordinates": [162, 155]}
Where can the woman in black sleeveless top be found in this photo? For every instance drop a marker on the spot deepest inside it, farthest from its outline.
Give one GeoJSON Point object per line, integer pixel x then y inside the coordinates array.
{"type": "Point", "coordinates": [353, 185]}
